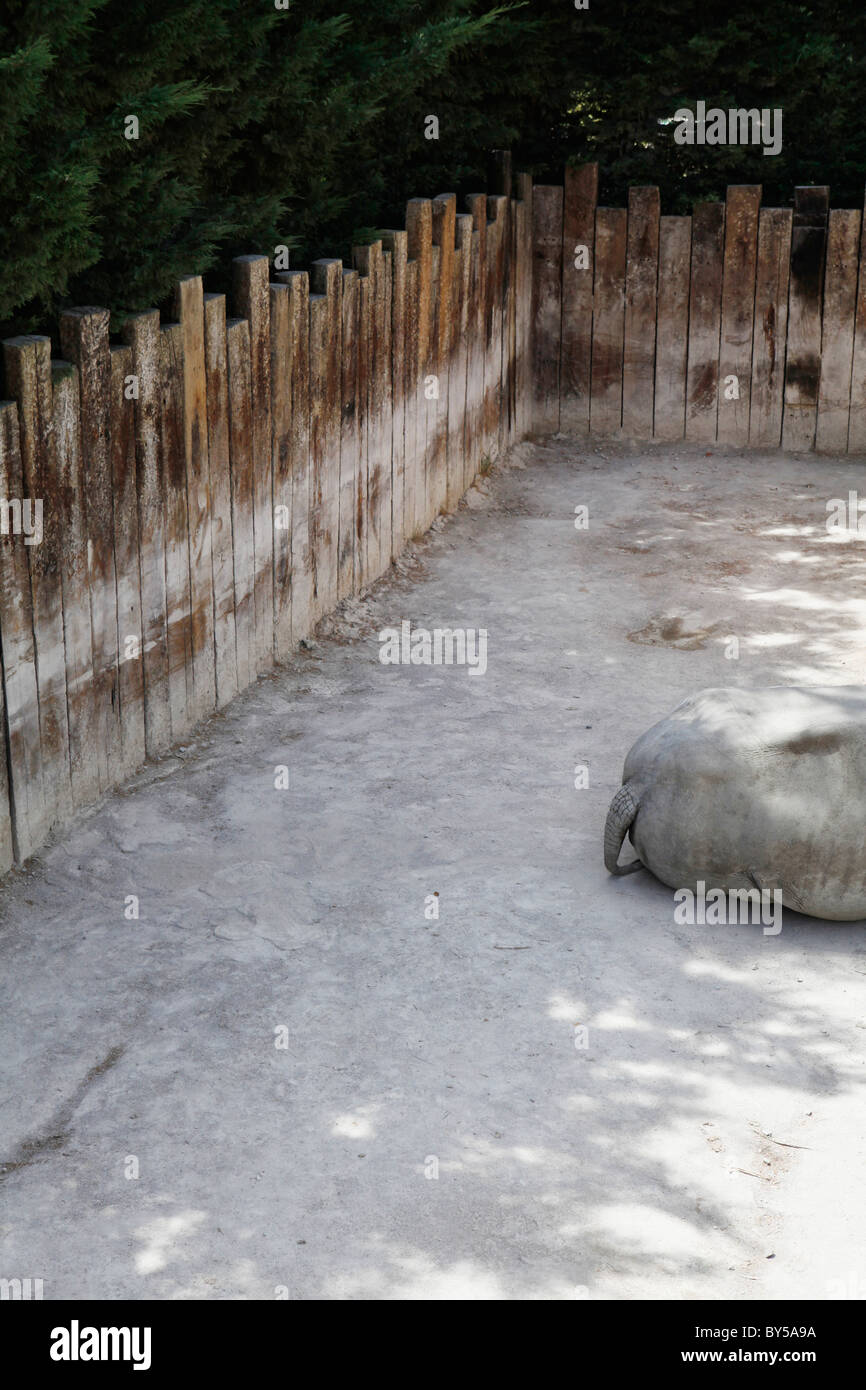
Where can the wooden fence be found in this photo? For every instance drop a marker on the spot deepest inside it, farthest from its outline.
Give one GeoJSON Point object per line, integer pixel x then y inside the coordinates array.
{"type": "Point", "coordinates": [741, 324]}
{"type": "Point", "coordinates": [211, 487]}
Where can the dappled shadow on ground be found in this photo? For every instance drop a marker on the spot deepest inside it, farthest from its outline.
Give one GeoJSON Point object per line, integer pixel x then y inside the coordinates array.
{"type": "Point", "coordinates": [552, 1090]}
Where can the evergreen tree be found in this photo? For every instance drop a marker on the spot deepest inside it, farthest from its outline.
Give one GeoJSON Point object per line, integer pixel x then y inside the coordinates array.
{"type": "Point", "coordinates": [306, 126]}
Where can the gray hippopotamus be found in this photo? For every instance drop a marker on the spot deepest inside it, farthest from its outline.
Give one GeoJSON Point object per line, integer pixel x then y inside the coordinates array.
{"type": "Point", "coordinates": [752, 787]}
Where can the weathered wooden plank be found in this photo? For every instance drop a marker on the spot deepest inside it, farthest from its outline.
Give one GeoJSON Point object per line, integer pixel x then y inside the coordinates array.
{"type": "Point", "coordinates": [495, 412]}
{"type": "Point", "coordinates": [177, 595]}
{"type": "Point", "coordinates": [375, 267]}
{"type": "Point", "coordinates": [444, 231]}
{"type": "Point", "coordinates": [349, 435]}
{"type": "Point", "coordinates": [803, 360]}
{"type": "Point", "coordinates": [580, 198]}
{"type": "Point", "coordinates": [222, 550]}
{"type": "Point", "coordinates": [857, 413]}
{"type": "Point", "coordinates": [27, 362]}
{"type": "Point", "coordinates": [641, 287]}
{"type": "Point", "coordinates": [74, 585]}
{"type": "Point", "coordinates": [396, 244]}
{"type": "Point", "coordinates": [281, 472]}
{"type": "Point", "coordinates": [523, 317]}
{"type": "Point", "coordinates": [251, 278]}
{"type": "Point", "coordinates": [738, 311]}
{"type": "Point", "coordinates": [705, 310]}
{"type": "Point", "coordinates": [501, 186]}
{"type": "Point", "coordinates": [326, 279]}
{"type": "Point", "coordinates": [124, 385]}
{"type": "Point", "coordinates": [7, 843]}
{"type": "Point", "coordinates": [368, 262]}
{"type": "Point", "coordinates": [456, 448]}
{"type": "Point", "coordinates": [477, 369]}
{"type": "Point", "coordinates": [672, 328]}
{"type": "Point", "coordinates": [444, 211]}
{"type": "Point", "coordinates": [142, 333]}
{"type": "Point", "coordinates": [84, 336]}
{"type": "Point", "coordinates": [386, 512]}
{"type": "Point", "coordinates": [413, 476]}
{"type": "Point", "coordinates": [24, 745]}
{"type": "Point", "coordinates": [474, 364]}
{"type": "Point", "coordinates": [190, 312]}
{"type": "Point", "coordinates": [837, 331]}
{"type": "Point", "coordinates": [611, 225]}
{"type": "Point", "coordinates": [365, 366]}
{"type": "Point", "coordinates": [435, 437]}
{"type": "Point", "coordinates": [547, 204]}
{"type": "Point", "coordinates": [302, 551]}
{"type": "Point", "coordinates": [419, 233]}
{"type": "Point", "coordinates": [242, 495]}
{"type": "Point", "coordinates": [770, 329]}
{"type": "Point", "coordinates": [319, 358]}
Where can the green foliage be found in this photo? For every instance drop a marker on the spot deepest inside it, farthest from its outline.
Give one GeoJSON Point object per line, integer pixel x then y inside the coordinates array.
{"type": "Point", "coordinates": [257, 127]}
{"type": "Point", "coordinates": [260, 127]}
{"type": "Point", "coordinates": [628, 65]}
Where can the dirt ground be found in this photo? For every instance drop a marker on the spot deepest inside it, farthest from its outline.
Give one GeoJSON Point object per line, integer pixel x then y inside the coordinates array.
{"type": "Point", "coordinates": [283, 1079]}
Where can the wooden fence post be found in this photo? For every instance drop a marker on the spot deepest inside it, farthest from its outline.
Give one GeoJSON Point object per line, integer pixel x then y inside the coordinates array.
{"type": "Point", "coordinates": [578, 254]}
{"type": "Point", "coordinates": [639, 332]}
{"type": "Point", "coordinates": [770, 328]}
{"type": "Point", "coordinates": [705, 316]}
{"type": "Point", "coordinates": [837, 331]}
{"type": "Point", "coordinates": [672, 328]}
{"type": "Point", "coordinates": [547, 210]}
{"type": "Point", "coordinates": [738, 312]}
{"type": "Point", "coordinates": [608, 321]}
{"type": "Point", "coordinates": [803, 361]}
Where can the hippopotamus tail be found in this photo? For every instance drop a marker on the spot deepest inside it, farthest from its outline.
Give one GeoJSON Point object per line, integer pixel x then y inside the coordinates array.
{"type": "Point", "coordinates": [623, 810]}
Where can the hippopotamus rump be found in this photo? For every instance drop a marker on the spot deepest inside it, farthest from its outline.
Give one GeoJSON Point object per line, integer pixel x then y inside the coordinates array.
{"type": "Point", "coordinates": [752, 788]}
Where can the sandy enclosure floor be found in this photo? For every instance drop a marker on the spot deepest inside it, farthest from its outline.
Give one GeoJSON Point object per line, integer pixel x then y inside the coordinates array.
{"type": "Point", "coordinates": [708, 1141]}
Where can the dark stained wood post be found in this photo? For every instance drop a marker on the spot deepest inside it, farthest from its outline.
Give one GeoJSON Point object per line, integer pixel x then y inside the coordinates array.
{"type": "Point", "coordinates": [476, 204]}
{"type": "Point", "coordinates": [142, 333]}
{"type": "Point", "coordinates": [705, 314]}
{"type": "Point", "coordinates": [837, 331]}
{"type": "Point", "coordinates": [190, 312]}
{"type": "Point", "coordinates": [281, 472]}
{"type": "Point", "coordinates": [803, 361]}
{"type": "Point", "coordinates": [78, 649]}
{"type": "Point", "coordinates": [672, 328]}
{"type": "Point", "coordinates": [222, 546]}
{"type": "Point", "coordinates": [251, 279]}
{"type": "Point", "coordinates": [419, 233]}
{"type": "Point", "coordinates": [547, 210]}
{"type": "Point", "coordinates": [770, 329]}
{"type": "Point", "coordinates": [126, 555]}
{"type": "Point", "coordinates": [857, 414]}
{"type": "Point", "coordinates": [84, 336]}
{"type": "Point", "coordinates": [639, 334]}
{"type": "Point", "coordinates": [299, 370]}
{"type": "Point", "coordinates": [24, 791]}
{"type": "Point", "coordinates": [177, 585]}
{"type": "Point", "coordinates": [395, 244]}
{"type": "Point", "coordinates": [608, 321]}
{"type": "Point", "coordinates": [350, 452]}
{"type": "Point", "coordinates": [241, 457]}
{"type": "Point", "coordinates": [523, 311]}
{"type": "Point", "coordinates": [578, 252]}
{"type": "Point", "coordinates": [28, 377]}
{"type": "Point", "coordinates": [738, 309]}
{"type": "Point", "coordinates": [326, 281]}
